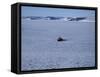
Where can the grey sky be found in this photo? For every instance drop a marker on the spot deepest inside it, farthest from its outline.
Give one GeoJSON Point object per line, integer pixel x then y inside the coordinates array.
{"type": "Point", "coordinates": [42, 11]}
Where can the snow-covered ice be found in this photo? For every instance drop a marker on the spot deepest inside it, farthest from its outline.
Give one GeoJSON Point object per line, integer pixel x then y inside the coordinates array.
{"type": "Point", "coordinates": [41, 50]}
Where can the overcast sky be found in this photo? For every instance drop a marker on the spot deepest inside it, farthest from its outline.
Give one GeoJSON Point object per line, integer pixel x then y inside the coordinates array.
{"type": "Point", "coordinates": [42, 11]}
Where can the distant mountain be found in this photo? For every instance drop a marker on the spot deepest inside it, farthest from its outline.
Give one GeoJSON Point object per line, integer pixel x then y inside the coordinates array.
{"type": "Point", "coordinates": [44, 18]}
{"type": "Point", "coordinates": [58, 18]}
{"type": "Point", "coordinates": [76, 18]}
